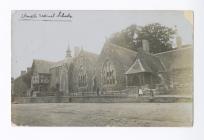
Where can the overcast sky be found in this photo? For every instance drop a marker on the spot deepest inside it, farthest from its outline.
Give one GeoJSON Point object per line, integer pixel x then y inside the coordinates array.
{"type": "Point", "coordinates": [48, 40]}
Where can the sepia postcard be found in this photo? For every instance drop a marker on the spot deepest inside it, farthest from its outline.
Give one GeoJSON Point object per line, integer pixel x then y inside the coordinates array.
{"type": "Point", "coordinates": [121, 68]}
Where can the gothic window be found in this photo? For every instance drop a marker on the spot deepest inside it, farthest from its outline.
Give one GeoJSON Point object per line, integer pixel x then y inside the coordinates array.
{"type": "Point", "coordinates": [82, 78]}
{"type": "Point", "coordinates": [108, 73]}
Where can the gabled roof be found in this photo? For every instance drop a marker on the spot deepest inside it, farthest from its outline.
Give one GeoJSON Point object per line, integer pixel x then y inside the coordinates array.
{"type": "Point", "coordinates": [91, 57]}
{"type": "Point", "coordinates": [146, 62]}
{"type": "Point", "coordinates": [57, 64]}
{"type": "Point", "coordinates": [177, 59]}
{"type": "Point", "coordinates": [68, 60]}
{"type": "Point", "coordinates": [137, 67]}
{"type": "Point", "coordinates": [125, 57]}
{"type": "Point", "coordinates": [60, 63]}
{"type": "Point", "coordinates": [41, 66]}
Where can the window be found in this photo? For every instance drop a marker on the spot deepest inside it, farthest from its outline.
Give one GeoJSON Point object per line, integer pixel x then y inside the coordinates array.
{"type": "Point", "coordinates": [108, 73]}
{"type": "Point", "coordinates": [35, 79]}
{"type": "Point", "coordinates": [82, 77]}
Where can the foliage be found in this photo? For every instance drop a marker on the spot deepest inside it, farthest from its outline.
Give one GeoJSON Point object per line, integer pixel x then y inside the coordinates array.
{"type": "Point", "coordinates": [159, 37]}
{"type": "Point", "coordinates": [125, 37]}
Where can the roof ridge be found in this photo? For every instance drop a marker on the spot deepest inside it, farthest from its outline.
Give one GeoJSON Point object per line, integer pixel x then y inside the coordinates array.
{"type": "Point", "coordinates": [90, 52]}
{"type": "Point", "coordinates": [126, 49]}
{"type": "Point", "coordinates": [43, 60]}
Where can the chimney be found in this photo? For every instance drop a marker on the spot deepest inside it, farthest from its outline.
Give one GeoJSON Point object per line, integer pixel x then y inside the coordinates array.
{"type": "Point", "coordinates": [23, 72]}
{"type": "Point", "coordinates": [76, 51]}
{"type": "Point", "coordinates": [145, 45]}
{"type": "Point", "coordinates": [178, 41]}
{"type": "Point", "coordinates": [142, 45]}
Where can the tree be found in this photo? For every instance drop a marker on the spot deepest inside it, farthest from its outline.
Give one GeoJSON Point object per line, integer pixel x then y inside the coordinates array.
{"type": "Point", "coordinates": [159, 37]}
{"type": "Point", "coordinates": [125, 37]}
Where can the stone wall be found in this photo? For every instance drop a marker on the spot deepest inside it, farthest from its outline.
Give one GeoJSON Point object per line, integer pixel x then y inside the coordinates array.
{"type": "Point", "coordinates": [55, 77]}
{"type": "Point", "coordinates": [121, 59]}
{"type": "Point", "coordinates": [181, 81]}
{"type": "Point", "coordinates": [179, 67]}
{"type": "Point", "coordinates": [83, 61]}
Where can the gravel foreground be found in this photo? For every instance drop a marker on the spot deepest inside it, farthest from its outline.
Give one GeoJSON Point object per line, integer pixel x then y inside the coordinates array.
{"type": "Point", "coordinates": [102, 114]}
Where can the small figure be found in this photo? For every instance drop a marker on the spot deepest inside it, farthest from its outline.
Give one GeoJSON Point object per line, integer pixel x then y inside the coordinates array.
{"type": "Point", "coordinates": [140, 92]}
{"type": "Point", "coordinates": [151, 94]}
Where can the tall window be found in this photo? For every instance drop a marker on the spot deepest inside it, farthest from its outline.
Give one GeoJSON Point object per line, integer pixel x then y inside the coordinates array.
{"type": "Point", "coordinates": [82, 77]}
{"type": "Point", "coordinates": [108, 73]}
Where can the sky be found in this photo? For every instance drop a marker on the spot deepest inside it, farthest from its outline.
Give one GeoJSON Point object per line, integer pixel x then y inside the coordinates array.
{"type": "Point", "coordinates": [49, 39]}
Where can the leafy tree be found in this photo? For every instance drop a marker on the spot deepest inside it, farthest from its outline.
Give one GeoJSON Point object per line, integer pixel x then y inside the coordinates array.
{"type": "Point", "coordinates": [159, 37]}
{"type": "Point", "coordinates": [125, 37]}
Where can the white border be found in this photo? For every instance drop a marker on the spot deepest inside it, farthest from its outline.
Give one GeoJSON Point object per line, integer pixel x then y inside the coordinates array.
{"type": "Point", "coordinates": [9, 132]}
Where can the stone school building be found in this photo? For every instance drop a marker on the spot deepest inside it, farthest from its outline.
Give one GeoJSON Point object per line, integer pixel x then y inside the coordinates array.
{"type": "Point", "coordinates": [116, 70]}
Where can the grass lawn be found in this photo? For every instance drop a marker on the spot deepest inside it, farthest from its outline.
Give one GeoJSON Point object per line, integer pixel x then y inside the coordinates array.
{"type": "Point", "coordinates": [102, 114]}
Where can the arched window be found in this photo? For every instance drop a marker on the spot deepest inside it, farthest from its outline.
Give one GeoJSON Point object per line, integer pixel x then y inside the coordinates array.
{"type": "Point", "coordinates": [64, 79]}
{"type": "Point", "coordinates": [82, 77]}
{"type": "Point", "coordinates": [108, 73]}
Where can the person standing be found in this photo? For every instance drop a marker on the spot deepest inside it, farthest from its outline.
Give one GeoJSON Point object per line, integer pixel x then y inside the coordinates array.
{"type": "Point", "coordinates": [151, 93]}
{"type": "Point", "coordinates": [140, 92]}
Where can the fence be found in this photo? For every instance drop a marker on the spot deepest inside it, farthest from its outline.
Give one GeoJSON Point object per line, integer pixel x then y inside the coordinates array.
{"type": "Point", "coordinates": [99, 99]}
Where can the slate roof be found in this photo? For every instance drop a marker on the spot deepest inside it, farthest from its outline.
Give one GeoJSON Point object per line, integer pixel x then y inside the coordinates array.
{"type": "Point", "coordinates": [136, 68]}
{"type": "Point", "coordinates": [91, 56]}
{"type": "Point", "coordinates": [68, 60]}
{"type": "Point", "coordinates": [61, 62]}
{"type": "Point", "coordinates": [41, 66]}
{"type": "Point", "coordinates": [146, 62]}
{"type": "Point", "coordinates": [124, 57]}
{"type": "Point", "coordinates": [177, 59]}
